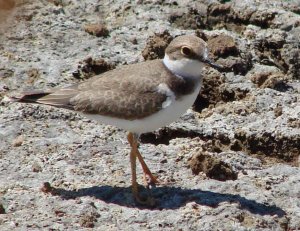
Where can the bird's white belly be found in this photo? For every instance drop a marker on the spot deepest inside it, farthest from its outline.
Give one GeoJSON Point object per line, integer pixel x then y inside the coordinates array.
{"type": "Point", "coordinates": [160, 119]}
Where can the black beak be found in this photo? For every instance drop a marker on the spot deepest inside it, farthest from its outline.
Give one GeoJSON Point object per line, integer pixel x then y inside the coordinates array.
{"type": "Point", "coordinates": [214, 65]}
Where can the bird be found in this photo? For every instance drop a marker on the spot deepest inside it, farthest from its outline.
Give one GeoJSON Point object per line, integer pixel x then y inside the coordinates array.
{"type": "Point", "coordinates": [138, 98]}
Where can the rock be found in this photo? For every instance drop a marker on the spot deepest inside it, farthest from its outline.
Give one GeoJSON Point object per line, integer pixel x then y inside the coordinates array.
{"type": "Point", "coordinates": [237, 65]}
{"type": "Point", "coordinates": [270, 80]}
{"type": "Point", "coordinates": [90, 67]}
{"type": "Point", "coordinates": [263, 19]}
{"type": "Point", "coordinates": [97, 29]}
{"type": "Point", "coordinates": [222, 46]}
{"type": "Point", "coordinates": [156, 45]}
{"type": "Point", "coordinates": [212, 167]}
{"type": "Point", "coordinates": [270, 144]}
{"type": "Point", "coordinates": [193, 18]}
{"type": "Point", "coordinates": [210, 93]}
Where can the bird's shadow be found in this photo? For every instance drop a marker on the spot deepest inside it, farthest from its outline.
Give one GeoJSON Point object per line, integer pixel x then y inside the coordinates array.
{"type": "Point", "coordinates": [168, 197]}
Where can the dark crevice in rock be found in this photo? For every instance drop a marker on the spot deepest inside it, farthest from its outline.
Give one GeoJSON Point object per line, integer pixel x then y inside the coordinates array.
{"type": "Point", "coordinates": [266, 144]}
{"type": "Point", "coordinates": [165, 135]}
{"type": "Point", "coordinates": [282, 147]}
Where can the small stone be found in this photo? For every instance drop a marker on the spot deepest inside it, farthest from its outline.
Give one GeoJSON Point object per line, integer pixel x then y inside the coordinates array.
{"type": "Point", "coordinates": [33, 74]}
{"type": "Point", "coordinates": [134, 41]}
{"type": "Point", "coordinates": [278, 111]}
{"type": "Point", "coordinates": [18, 141]}
{"type": "Point", "coordinates": [46, 188]}
{"type": "Point", "coordinates": [99, 30]}
{"type": "Point", "coordinates": [36, 167]}
{"type": "Point", "coordinates": [59, 213]}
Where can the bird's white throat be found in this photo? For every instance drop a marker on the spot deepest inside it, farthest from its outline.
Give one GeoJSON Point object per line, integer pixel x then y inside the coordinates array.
{"type": "Point", "coordinates": [184, 67]}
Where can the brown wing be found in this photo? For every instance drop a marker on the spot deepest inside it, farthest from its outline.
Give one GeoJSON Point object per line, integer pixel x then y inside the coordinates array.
{"type": "Point", "coordinates": [128, 92]}
{"type": "Point", "coordinates": [54, 97]}
{"type": "Point", "coordinates": [60, 97]}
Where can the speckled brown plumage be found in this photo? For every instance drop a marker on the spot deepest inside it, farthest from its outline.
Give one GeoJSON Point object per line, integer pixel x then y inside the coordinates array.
{"type": "Point", "coordinates": [120, 93]}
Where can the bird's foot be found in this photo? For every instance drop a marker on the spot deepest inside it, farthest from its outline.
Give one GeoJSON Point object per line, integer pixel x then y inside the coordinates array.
{"type": "Point", "coordinates": [146, 200]}
{"type": "Point", "coordinates": [150, 180]}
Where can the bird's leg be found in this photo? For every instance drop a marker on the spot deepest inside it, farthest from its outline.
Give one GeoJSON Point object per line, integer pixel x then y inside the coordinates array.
{"type": "Point", "coordinates": [134, 183]}
{"type": "Point", "coordinates": [148, 176]}
{"type": "Point", "coordinates": [133, 154]}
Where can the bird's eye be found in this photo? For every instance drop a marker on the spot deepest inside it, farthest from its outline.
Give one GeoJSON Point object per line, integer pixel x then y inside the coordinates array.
{"type": "Point", "coordinates": [186, 51]}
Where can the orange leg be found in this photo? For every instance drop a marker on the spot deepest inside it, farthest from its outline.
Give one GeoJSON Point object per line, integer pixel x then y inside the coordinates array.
{"type": "Point", "coordinates": [134, 153]}
{"type": "Point", "coordinates": [150, 179]}
{"type": "Point", "coordinates": [148, 176]}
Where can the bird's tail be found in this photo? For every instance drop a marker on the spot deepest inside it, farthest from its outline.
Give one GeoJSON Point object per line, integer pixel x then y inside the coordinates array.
{"type": "Point", "coordinates": [27, 97]}
{"type": "Point", "coordinates": [54, 97]}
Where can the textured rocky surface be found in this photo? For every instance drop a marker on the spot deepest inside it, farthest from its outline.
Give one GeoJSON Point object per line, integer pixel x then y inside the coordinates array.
{"type": "Point", "coordinates": [60, 171]}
